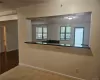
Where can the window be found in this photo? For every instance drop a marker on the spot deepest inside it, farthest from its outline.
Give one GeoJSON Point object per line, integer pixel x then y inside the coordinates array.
{"type": "Point", "coordinates": [41, 32]}
{"type": "Point", "coordinates": [65, 33]}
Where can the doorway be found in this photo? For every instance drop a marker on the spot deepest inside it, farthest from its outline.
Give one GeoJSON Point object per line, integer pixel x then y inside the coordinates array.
{"type": "Point", "coordinates": [79, 36]}
{"type": "Point", "coordinates": [8, 46]}
{"type": "Point", "coordinates": [3, 55]}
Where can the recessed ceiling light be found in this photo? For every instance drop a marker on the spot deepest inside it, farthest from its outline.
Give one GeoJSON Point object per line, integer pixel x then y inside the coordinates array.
{"type": "Point", "coordinates": [71, 17]}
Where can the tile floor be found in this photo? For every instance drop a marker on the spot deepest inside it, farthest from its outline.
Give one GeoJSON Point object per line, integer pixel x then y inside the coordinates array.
{"type": "Point", "coordinates": [26, 73]}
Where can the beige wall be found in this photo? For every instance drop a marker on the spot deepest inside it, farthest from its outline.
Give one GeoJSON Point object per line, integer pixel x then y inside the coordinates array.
{"type": "Point", "coordinates": [12, 35]}
{"type": "Point", "coordinates": [7, 18]}
{"type": "Point", "coordinates": [57, 61]}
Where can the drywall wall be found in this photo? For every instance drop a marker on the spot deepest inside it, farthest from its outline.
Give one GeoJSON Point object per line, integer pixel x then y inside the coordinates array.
{"type": "Point", "coordinates": [11, 34]}
{"type": "Point", "coordinates": [8, 15]}
{"type": "Point", "coordinates": [89, 67]}
{"type": "Point", "coordinates": [7, 18]}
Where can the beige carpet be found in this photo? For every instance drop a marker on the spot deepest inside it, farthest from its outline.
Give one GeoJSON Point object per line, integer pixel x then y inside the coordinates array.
{"type": "Point", "coordinates": [26, 73]}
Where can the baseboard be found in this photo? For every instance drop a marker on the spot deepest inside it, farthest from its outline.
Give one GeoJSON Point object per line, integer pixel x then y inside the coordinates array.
{"type": "Point", "coordinates": [10, 50]}
{"type": "Point", "coordinates": [72, 77]}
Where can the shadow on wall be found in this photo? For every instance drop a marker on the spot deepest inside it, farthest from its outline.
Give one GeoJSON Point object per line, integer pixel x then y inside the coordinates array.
{"type": "Point", "coordinates": [70, 50]}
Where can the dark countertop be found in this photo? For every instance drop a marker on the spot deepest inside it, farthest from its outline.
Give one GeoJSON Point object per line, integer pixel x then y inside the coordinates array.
{"type": "Point", "coordinates": [56, 44]}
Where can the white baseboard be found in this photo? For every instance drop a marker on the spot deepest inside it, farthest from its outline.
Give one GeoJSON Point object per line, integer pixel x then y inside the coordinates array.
{"type": "Point", "coordinates": [76, 78]}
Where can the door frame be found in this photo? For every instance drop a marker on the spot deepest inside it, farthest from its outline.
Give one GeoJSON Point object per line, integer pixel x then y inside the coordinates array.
{"type": "Point", "coordinates": [74, 34]}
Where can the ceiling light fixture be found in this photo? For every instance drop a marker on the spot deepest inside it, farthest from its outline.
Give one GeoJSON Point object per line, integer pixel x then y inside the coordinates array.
{"type": "Point", "coordinates": [70, 17]}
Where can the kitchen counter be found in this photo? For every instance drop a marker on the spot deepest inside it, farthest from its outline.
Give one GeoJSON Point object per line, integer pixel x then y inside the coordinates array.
{"type": "Point", "coordinates": [63, 48]}
{"type": "Point", "coordinates": [58, 44]}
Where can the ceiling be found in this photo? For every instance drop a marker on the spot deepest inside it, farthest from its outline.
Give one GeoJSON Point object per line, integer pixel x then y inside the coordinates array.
{"type": "Point", "coordinates": [12, 4]}
{"type": "Point", "coordinates": [63, 19]}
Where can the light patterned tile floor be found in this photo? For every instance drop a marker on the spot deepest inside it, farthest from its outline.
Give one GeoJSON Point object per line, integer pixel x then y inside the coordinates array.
{"type": "Point", "coordinates": [26, 73]}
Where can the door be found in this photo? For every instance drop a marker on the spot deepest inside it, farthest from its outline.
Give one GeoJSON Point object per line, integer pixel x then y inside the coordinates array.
{"type": "Point", "coordinates": [79, 36]}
